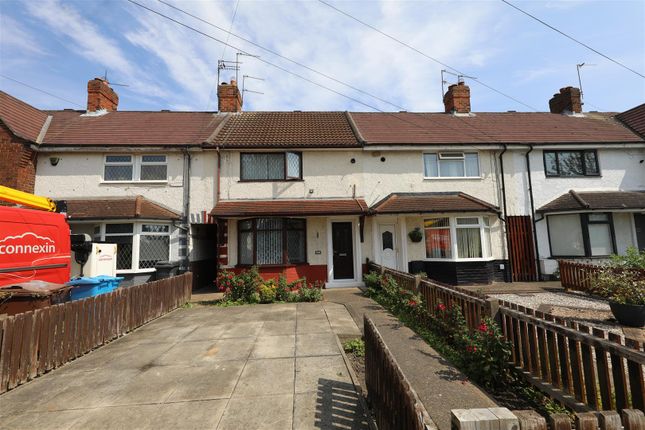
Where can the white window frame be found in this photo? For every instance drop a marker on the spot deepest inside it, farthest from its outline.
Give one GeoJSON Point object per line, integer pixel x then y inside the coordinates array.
{"type": "Point", "coordinates": [444, 155]}
{"type": "Point", "coordinates": [136, 163]}
{"type": "Point", "coordinates": [137, 232]}
{"type": "Point", "coordinates": [487, 251]}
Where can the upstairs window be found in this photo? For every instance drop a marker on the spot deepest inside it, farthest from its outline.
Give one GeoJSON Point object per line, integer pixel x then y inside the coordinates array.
{"type": "Point", "coordinates": [131, 168]}
{"type": "Point", "coordinates": [571, 163]}
{"type": "Point", "coordinates": [271, 166]}
{"type": "Point", "coordinates": [451, 165]}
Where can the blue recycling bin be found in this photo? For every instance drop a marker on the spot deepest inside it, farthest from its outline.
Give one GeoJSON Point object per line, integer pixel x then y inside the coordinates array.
{"type": "Point", "coordinates": [93, 286]}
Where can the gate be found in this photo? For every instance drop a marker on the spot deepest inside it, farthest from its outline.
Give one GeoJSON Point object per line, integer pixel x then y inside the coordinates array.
{"type": "Point", "coordinates": [522, 250]}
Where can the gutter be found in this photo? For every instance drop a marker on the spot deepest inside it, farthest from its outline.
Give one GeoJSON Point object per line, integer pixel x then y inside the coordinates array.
{"type": "Point", "coordinates": [508, 240]}
{"type": "Point", "coordinates": [535, 240]}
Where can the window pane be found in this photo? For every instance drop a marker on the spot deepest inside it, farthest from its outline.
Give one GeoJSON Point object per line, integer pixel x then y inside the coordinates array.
{"type": "Point", "coordinates": [152, 249]}
{"type": "Point", "coordinates": [488, 250]}
{"type": "Point", "coordinates": [118, 159]}
{"type": "Point", "coordinates": [295, 223]}
{"type": "Point", "coordinates": [269, 223]}
{"type": "Point", "coordinates": [269, 247]}
{"type": "Point", "coordinates": [293, 165]}
{"type": "Point", "coordinates": [437, 222]}
{"type": "Point", "coordinates": [155, 228]}
{"type": "Point", "coordinates": [468, 221]}
{"type": "Point", "coordinates": [469, 244]}
{"type": "Point", "coordinates": [123, 251]}
{"type": "Point", "coordinates": [591, 163]}
{"type": "Point", "coordinates": [430, 163]}
{"type": "Point", "coordinates": [438, 243]}
{"type": "Point", "coordinates": [570, 163]}
{"type": "Point", "coordinates": [598, 217]}
{"type": "Point", "coordinates": [246, 225]}
{"type": "Point", "coordinates": [275, 166]}
{"type": "Point", "coordinates": [153, 158]}
{"type": "Point", "coordinates": [296, 246]}
{"type": "Point", "coordinates": [486, 221]}
{"type": "Point", "coordinates": [118, 228]}
{"type": "Point", "coordinates": [600, 239]}
{"type": "Point", "coordinates": [472, 165]}
{"type": "Point", "coordinates": [246, 247]}
{"type": "Point", "coordinates": [451, 168]}
{"type": "Point", "coordinates": [565, 234]}
{"type": "Point", "coordinates": [387, 239]}
{"type": "Point", "coordinates": [154, 172]}
{"type": "Point", "coordinates": [254, 166]}
{"type": "Point", "coordinates": [550, 164]}
{"type": "Point", "coordinates": [117, 173]}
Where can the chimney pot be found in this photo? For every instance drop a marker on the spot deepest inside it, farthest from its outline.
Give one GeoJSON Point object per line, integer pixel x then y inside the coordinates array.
{"type": "Point", "coordinates": [101, 96]}
{"type": "Point", "coordinates": [457, 98]}
{"type": "Point", "coordinates": [568, 100]}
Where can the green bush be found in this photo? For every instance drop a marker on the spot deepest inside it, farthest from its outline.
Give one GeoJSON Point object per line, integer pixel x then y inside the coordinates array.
{"type": "Point", "coordinates": [620, 285]}
{"type": "Point", "coordinates": [355, 346]}
{"type": "Point", "coordinates": [282, 291]}
{"type": "Point", "coordinates": [310, 292]}
{"type": "Point", "coordinates": [267, 293]}
{"type": "Point", "coordinates": [633, 259]}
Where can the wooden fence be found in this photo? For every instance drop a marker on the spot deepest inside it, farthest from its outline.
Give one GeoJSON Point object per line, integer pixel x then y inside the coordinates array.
{"type": "Point", "coordinates": [473, 305]}
{"type": "Point", "coordinates": [35, 342]}
{"type": "Point", "coordinates": [394, 402]}
{"type": "Point", "coordinates": [580, 277]}
{"type": "Point", "coordinates": [583, 368]}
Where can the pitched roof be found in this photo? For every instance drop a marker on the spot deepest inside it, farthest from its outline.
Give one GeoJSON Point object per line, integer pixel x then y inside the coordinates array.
{"type": "Point", "coordinates": [480, 128]}
{"type": "Point", "coordinates": [595, 200]}
{"type": "Point", "coordinates": [309, 207]}
{"type": "Point", "coordinates": [25, 121]}
{"type": "Point", "coordinates": [131, 207]}
{"type": "Point", "coordinates": [287, 129]}
{"type": "Point", "coordinates": [634, 119]}
{"type": "Point", "coordinates": [431, 202]}
{"type": "Point", "coordinates": [71, 127]}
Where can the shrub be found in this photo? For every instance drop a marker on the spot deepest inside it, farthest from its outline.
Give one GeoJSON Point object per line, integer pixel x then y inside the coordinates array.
{"type": "Point", "coordinates": [355, 346]}
{"type": "Point", "coordinates": [487, 354]}
{"type": "Point", "coordinates": [620, 285]}
{"type": "Point", "coordinates": [372, 280]}
{"type": "Point", "coordinates": [267, 293]}
{"type": "Point", "coordinates": [633, 259]}
{"type": "Point", "coordinates": [310, 292]}
{"type": "Point", "coordinates": [282, 289]}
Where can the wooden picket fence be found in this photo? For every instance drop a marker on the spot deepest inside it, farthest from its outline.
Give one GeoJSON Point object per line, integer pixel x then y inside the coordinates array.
{"type": "Point", "coordinates": [35, 342]}
{"type": "Point", "coordinates": [581, 367]}
{"type": "Point", "coordinates": [394, 402]}
{"type": "Point", "coordinates": [473, 305]}
{"type": "Point", "coordinates": [579, 276]}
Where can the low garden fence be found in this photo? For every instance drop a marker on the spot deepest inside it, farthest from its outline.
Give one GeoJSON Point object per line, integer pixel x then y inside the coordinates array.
{"type": "Point", "coordinates": [394, 402]}
{"type": "Point", "coordinates": [35, 342]}
{"type": "Point", "coordinates": [583, 368]}
{"type": "Point", "coordinates": [580, 276]}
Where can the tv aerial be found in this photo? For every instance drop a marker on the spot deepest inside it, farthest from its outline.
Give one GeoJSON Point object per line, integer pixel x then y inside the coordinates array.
{"type": "Point", "coordinates": [460, 78]}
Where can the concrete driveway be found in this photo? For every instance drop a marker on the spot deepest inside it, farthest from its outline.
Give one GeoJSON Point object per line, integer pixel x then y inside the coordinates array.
{"type": "Point", "coordinates": [247, 367]}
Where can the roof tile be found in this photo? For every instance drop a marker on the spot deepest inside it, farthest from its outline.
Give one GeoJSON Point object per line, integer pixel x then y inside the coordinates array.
{"type": "Point", "coordinates": [595, 200]}
{"type": "Point", "coordinates": [25, 121]}
{"type": "Point", "coordinates": [396, 203]}
{"type": "Point", "coordinates": [131, 207]}
{"type": "Point", "coordinates": [310, 207]}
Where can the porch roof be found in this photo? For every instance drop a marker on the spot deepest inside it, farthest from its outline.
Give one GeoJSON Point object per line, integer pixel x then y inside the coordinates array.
{"type": "Point", "coordinates": [118, 208]}
{"type": "Point", "coordinates": [308, 207]}
{"type": "Point", "coordinates": [431, 202]}
{"type": "Point", "coordinates": [595, 200]}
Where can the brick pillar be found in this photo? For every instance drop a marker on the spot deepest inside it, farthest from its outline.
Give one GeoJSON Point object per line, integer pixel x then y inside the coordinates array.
{"type": "Point", "coordinates": [568, 100]}
{"type": "Point", "coordinates": [101, 96]}
{"type": "Point", "coordinates": [229, 98]}
{"type": "Point", "coordinates": [457, 98]}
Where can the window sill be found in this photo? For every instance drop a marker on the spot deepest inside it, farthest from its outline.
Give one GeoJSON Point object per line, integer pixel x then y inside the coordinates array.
{"type": "Point", "coordinates": [453, 178]}
{"type": "Point", "coordinates": [269, 180]}
{"type": "Point", "coordinates": [135, 272]}
{"type": "Point", "coordinates": [270, 266]}
{"type": "Point", "coordinates": [458, 260]}
{"type": "Point", "coordinates": [134, 182]}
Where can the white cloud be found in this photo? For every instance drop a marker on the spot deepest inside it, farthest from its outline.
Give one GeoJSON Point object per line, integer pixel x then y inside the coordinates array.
{"type": "Point", "coordinates": [15, 36]}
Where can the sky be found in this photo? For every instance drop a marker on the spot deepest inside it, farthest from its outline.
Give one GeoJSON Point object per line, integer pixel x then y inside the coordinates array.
{"type": "Point", "coordinates": [58, 45]}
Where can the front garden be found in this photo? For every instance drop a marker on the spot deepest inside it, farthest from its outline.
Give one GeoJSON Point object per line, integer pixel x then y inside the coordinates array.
{"type": "Point", "coordinates": [248, 287]}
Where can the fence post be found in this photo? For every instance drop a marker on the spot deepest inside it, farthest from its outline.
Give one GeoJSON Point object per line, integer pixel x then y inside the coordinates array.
{"type": "Point", "coordinates": [417, 282]}
{"type": "Point", "coordinates": [492, 309]}
{"type": "Point", "coordinates": [559, 422]}
{"type": "Point", "coordinates": [633, 419]}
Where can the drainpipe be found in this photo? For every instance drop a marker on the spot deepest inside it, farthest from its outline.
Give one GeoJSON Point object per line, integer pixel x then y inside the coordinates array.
{"type": "Point", "coordinates": [186, 197]}
{"type": "Point", "coordinates": [508, 240]}
{"type": "Point", "coordinates": [219, 170]}
{"type": "Point", "coordinates": [535, 241]}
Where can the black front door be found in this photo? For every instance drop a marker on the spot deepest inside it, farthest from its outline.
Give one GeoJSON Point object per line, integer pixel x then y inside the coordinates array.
{"type": "Point", "coordinates": [639, 221]}
{"type": "Point", "coordinates": [341, 238]}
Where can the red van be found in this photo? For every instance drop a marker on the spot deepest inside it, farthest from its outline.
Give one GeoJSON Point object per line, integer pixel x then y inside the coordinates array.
{"type": "Point", "coordinates": [34, 245]}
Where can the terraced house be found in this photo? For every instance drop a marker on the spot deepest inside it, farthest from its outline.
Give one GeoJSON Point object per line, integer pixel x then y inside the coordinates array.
{"type": "Point", "coordinates": [464, 197]}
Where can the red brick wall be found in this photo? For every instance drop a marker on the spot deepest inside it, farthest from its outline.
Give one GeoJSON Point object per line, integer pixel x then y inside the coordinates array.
{"type": "Point", "coordinates": [17, 162]}
{"type": "Point", "coordinates": [229, 98]}
{"type": "Point", "coordinates": [457, 98]}
{"type": "Point", "coordinates": [313, 272]}
{"type": "Point", "coordinates": [567, 100]}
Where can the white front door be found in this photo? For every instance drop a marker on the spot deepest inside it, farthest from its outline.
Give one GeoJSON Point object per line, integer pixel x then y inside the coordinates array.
{"type": "Point", "coordinates": [387, 242]}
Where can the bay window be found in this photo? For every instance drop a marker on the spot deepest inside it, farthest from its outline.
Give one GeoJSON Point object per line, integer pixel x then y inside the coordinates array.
{"type": "Point", "coordinates": [270, 166]}
{"type": "Point", "coordinates": [272, 241]}
{"type": "Point", "coordinates": [139, 245]}
{"type": "Point", "coordinates": [581, 235]}
{"type": "Point", "coordinates": [458, 238]}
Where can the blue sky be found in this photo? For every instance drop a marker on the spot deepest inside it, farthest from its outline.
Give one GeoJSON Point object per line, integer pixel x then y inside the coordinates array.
{"type": "Point", "coordinates": [59, 45]}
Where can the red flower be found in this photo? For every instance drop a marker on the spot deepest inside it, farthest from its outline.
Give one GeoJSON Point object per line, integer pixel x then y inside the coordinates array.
{"type": "Point", "coordinates": [412, 303]}
{"type": "Point", "coordinates": [441, 307]}
{"type": "Point", "coordinates": [483, 328]}
{"type": "Point", "coordinates": [471, 348]}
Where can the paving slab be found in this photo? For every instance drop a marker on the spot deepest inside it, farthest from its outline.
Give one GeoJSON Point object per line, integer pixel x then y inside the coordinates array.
{"type": "Point", "coordinates": [204, 367]}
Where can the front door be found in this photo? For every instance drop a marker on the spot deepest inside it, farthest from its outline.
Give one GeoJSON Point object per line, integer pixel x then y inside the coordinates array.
{"type": "Point", "coordinates": [639, 223]}
{"type": "Point", "coordinates": [388, 245]}
{"type": "Point", "coordinates": [343, 249]}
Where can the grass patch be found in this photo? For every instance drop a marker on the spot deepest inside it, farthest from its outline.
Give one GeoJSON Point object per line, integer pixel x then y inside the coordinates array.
{"type": "Point", "coordinates": [355, 346]}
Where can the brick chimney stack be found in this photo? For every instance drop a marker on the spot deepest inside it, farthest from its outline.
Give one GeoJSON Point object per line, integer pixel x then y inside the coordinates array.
{"type": "Point", "coordinates": [457, 98]}
{"type": "Point", "coordinates": [568, 100]}
{"type": "Point", "coordinates": [101, 96]}
{"type": "Point", "coordinates": [229, 98]}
